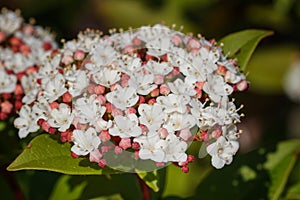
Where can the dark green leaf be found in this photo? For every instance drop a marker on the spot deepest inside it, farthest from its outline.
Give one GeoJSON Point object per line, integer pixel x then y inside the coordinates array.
{"type": "Point", "coordinates": [46, 153]}
{"type": "Point", "coordinates": [241, 45]}
{"type": "Point", "coordinates": [150, 178]}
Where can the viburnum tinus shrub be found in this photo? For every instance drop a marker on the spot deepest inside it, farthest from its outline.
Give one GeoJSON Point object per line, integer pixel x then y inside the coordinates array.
{"type": "Point", "coordinates": [22, 49]}
{"type": "Point", "coordinates": [136, 99]}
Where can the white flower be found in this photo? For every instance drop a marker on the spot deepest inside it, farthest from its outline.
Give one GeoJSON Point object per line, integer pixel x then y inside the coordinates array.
{"type": "Point", "coordinates": [130, 64]}
{"type": "Point", "coordinates": [7, 82]}
{"type": "Point", "coordinates": [10, 21]}
{"type": "Point", "coordinates": [26, 122]}
{"type": "Point", "coordinates": [126, 126]}
{"type": "Point", "coordinates": [106, 76]}
{"type": "Point", "coordinates": [222, 152]}
{"type": "Point", "coordinates": [151, 147]}
{"type": "Point", "coordinates": [152, 116]}
{"type": "Point", "coordinates": [41, 109]}
{"type": "Point", "coordinates": [77, 82]}
{"type": "Point", "coordinates": [159, 46]}
{"type": "Point", "coordinates": [142, 82]}
{"type": "Point", "coordinates": [216, 88]}
{"type": "Point", "coordinates": [54, 88]}
{"type": "Point", "coordinates": [147, 33]}
{"type": "Point", "coordinates": [103, 54]}
{"type": "Point", "coordinates": [31, 88]}
{"type": "Point", "coordinates": [61, 118]}
{"type": "Point", "coordinates": [178, 121]}
{"type": "Point", "coordinates": [173, 103]}
{"type": "Point", "coordinates": [180, 87]}
{"type": "Point", "coordinates": [89, 109]}
{"type": "Point", "coordinates": [123, 98]}
{"type": "Point", "coordinates": [85, 141]}
{"type": "Point", "coordinates": [175, 149]}
{"type": "Point", "coordinates": [162, 68]}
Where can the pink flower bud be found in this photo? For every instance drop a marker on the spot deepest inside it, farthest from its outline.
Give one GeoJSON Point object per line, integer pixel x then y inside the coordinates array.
{"type": "Point", "coordinates": [136, 154]}
{"type": "Point", "coordinates": [67, 59]}
{"type": "Point", "coordinates": [24, 49]}
{"type": "Point", "coordinates": [136, 41]}
{"type": "Point", "coordinates": [242, 85]}
{"type": "Point", "coordinates": [158, 79]}
{"type": "Point", "coordinates": [101, 99]}
{"type": "Point", "coordinates": [128, 50]}
{"type": "Point", "coordinates": [6, 107]}
{"type": "Point", "coordinates": [91, 88]}
{"type": "Point", "coordinates": [19, 90]}
{"type": "Point", "coordinates": [154, 93]}
{"type": "Point", "coordinates": [3, 116]}
{"type": "Point", "coordinates": [95, 156]}
{"type": "Point", "coordinates": [221, 70]}
{"type": "Point", "coordinates": [2, 36]}
{"type": "Point", "coordinates": [160, 164]}
{"type": "Point", "coordinates": [125, 143]}
{"type": "Point", "coordinates": [163, 133]}
{"type": "Point", "coordinates": [105, 149]}
{"type": "Point", "coordinates": [47, 46]}
{"type": "Point", "coordinates": [79, 55]}
{"type": "Point", "coordinates": [116, 112]}
{"type": "Point", "coordinates": [46, 126]}
{"type": "Point", "coordinates": [67, 97]}
{"type": "Point", "coordinates": [28, 29]}
{"type": "Point", "coordinates": [144, 129]}
{"type": "Point", "coordinates": [185, 134]}
{"type": "Point", "coordinates": [124, 80]}
{"type": "Point", "coordinates": [216, 133]}
{"type": "Point", "coordinates": [151, 101]}
{"type": "Point", "coordinates": [130, 110]}
{"type": "Point", "coordinates": [54, 105]}
{"type": "Point", "coordinates": [185, 169]}
{"type": "Point", "coordinates": [102, 163]}
{"type": "Point", "coordinates": [74, 155]}
{"type": "Point", "coordinates": [99, 89]}
{"type": "Point", "coordinates": [176, 39]}
{"type": "Point", "coordinates": [190, 158]}
{"type": "Point", "coordinates": [18, 104]}
{"type": "Point", "coordinates": [164, 89]}
{"type": "Point", "coordinates": [193, 43]}
{"type": "Point", "coordinates": [204, 136]}
{"type": "Point", "coordinates": [118, 150]}
{"type": "Point", "coordinates": [135, 145]}
{"type": "Point", "coordinates": [66, 136]}
{"type": "Point", "coordinates": [104, 136]}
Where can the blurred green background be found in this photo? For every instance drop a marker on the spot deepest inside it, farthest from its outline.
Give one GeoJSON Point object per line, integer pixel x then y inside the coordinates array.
{"type": "Point", "coordinates": [270, 115]}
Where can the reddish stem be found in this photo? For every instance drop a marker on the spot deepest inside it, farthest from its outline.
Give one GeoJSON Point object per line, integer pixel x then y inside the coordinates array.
{"type": "Point", "coordinates": [145, 189]}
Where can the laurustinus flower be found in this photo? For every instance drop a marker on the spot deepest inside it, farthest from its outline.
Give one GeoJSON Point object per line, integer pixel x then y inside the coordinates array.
{"type": "Point", "coordinates": [139, 95]}
{"type": "Point", "coordinates": [22, 50]}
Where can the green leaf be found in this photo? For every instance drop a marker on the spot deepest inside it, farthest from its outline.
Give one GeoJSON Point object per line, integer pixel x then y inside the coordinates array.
{"type": "Point", "coordinates": [293, 192]}
{"type": "Point", "coordinates": [241, 45]}
{"type": "Point", "coordinates": [280, 165]}
{"type": "Point", "coordinates": [150, 178]}
{"type": "Point", "coordinates": [46, 153]}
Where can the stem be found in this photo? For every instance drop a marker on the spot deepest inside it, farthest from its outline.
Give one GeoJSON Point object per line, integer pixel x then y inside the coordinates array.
{"type": "Point", "coordinates": [145, 189]}
{"type": "Point", "coordinates": [13, 184]}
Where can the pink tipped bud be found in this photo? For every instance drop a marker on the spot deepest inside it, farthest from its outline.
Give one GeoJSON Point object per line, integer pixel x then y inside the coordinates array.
{"type": "Point", "coordinates": [204, 136]}
{"type": "Point", "coordinates": [6, 107]}
{"type": "Point", "coordinates": [190, 158]}
{"type": "Point", "coordinates": [193, 43]}
{"type": "Point", "coordinates": [2, 36]}
{"type": "Point", "coordinates": [221, 70]}
{"type": "Point", "coordinates": [216, 133]}
{"type": "Point", "coordinates": [105, 149]}
{"type": "Point", "coordinates": [74, 155]}
{"type": "Point", "coordinates": [46, 126]}
{"type": "Point", "coordinates": [28, 29]}
{"type": "Point", "coordinates": [118, 150]}
{"type": "Point", "coordinates": [67, 59]}
{"type": "Point", "coordinates": [158, 79]}
{"type": "Point", "coordinates": [91, 89]}
{"type": "Point", "coordinates": [51, 130]}
{"type": "Point", "coordinates": [19, 90]}
{"type": "Point", "coordinates": [18, 104]}
{"type": "Point", "coordinates": [99, 89]}
{"type": "Point", "coordinates": [101, 99]}
{"type": "Point", "coordinates": [54, 105]}
{"type": "Point", "coordinates": [154, 93]}
{"type": "Point", "coordinates": [135, 145]}
{"type": "Point", "coordinates": [3, 116]}
{"type": "Point", "coordinates": [67, 97]}
{"type": "Point", "coordinates": [164, 89]}
{"type": "Point", "coordinates": [130, 110]}
{"type": "Point", "coordinates": [151, 101]}
{"type": "Point", "coordinates": [125, 143]}
{"type": "Point", "coordinates": [176, 39]}
{"type": "Point", "coordinates": [141, 100]}
{"type": "Point", "coordinates": [102, 163]}
{"type": "Point", "coordinates": [79, 55]}
{"type": "Point", "coordinates": [144, 129]}
{"type": "Point", "coordinates": [116, 112]}
{"type": "Point", "coordinates": [109, 107]}
{"type": "Point", "coordinates": [160, 164]}
{"type": "Point", "coordinates": [136, 154]}
{"type": "Point", "coordinates": [104, 136]}
{"type": "Point", "coordinates": [47, 46]}
{"type": "Point", "coordinates": [136, 41]}
{"type": "Point", "coordinates": [163, 133]}
{"type": "Point", "coordinates": [66, 136]}
{"type": "Point", "coordinates": [25, 49]}
{"type": "Point", "coordinates": [185, 169]}
{"type": "Point", "coordinates": [128, 50]}
{"type": "Point", "coordinates": [242, 85]}
{"type": "Point", "coordinates": [185, 134]}
{"type": "Point", "coordinates": [95, 156]}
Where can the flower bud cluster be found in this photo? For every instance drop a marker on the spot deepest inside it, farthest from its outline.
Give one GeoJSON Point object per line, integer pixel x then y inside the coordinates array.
{"type": "Point", "coordinates": [141, 91]}
{"type": "Point", "coordinates": [22, 49]}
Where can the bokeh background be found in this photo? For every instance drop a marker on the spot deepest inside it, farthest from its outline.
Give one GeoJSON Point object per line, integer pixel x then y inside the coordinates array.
{"type": "Point", "coordinates": [270, 114]}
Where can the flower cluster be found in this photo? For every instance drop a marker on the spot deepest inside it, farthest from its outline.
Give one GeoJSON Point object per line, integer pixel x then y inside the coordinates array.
{"type": "Point", "coordinates": [142, 91]}
{"type": "Point", "coordinates": [22, 49]}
